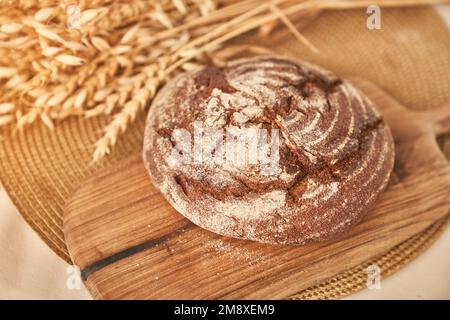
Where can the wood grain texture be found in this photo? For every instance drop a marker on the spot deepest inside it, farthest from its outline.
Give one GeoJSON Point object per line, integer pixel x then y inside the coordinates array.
{"type": "Point", "coordinates": [131, 244]}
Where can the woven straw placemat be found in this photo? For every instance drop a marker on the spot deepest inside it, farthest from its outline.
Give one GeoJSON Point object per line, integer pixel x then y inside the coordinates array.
{"type": "Point", "coordinates": [409, 57]}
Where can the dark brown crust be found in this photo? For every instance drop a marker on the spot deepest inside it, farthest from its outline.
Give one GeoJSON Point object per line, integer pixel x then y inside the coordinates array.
{"type": "Point", "coordinates": [340, 149]}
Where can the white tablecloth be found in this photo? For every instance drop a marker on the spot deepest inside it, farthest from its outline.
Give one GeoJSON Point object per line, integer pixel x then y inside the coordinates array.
{"type": "Point", "coordinates": [30, 270]}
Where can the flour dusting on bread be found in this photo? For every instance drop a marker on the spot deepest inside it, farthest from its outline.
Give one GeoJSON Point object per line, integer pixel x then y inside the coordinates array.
{"type": "Point", "coordinates": [335, 152]}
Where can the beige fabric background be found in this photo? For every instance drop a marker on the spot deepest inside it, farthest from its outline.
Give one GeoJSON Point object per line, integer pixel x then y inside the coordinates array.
{"type": "Point", "coordinates": [40, 169]}
{"type": "Point", "coordinates": [28, 268]}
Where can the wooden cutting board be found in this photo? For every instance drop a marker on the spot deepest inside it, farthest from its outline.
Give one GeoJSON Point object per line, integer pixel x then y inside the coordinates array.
{"type": "Point", "coordinates": [131, 244]}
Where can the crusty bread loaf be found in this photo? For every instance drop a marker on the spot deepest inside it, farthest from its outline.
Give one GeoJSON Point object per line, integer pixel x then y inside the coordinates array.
{"type": "Point", "coordinates": [334, 157]}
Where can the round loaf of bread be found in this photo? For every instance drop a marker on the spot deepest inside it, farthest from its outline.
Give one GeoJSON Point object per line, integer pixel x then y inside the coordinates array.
{"type": "Point", "coordinates": [267, 149]}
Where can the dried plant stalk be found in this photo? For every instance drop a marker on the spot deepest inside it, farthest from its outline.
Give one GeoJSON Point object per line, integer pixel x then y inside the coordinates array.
{"type": "Point", "coordinates": [110, 57]}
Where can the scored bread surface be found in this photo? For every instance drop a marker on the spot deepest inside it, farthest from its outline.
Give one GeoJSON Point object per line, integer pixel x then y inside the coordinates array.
{"type": "Point", "coordinates": [335, 154]}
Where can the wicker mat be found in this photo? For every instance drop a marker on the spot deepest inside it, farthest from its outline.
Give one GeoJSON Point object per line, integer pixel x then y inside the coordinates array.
{"type": "Point", "coordinates": [409, 57]}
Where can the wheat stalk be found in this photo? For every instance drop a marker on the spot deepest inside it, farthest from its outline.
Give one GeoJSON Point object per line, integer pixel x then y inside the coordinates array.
{"type": "Point", "coordinates": [123, 52]}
